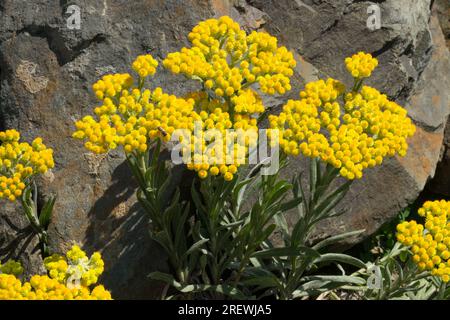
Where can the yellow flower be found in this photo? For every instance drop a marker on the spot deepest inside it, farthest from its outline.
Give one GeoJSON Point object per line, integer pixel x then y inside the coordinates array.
{"type": "Point", "coordinates": [76, 265]}
{"type": "Point", "coordinates": [44, 287]}
{"type": "Point", "coordinates": [361, 65]}
{"type": "Point", "coordinates": [225, 59]}
{"type": "Point", "coordinates": [247, 101]}
{"type": "Point", "coordinates": [350, 131]}
{"type": "Point", "coordinates": [134, 120]}
{"type": "Point", "coordinates": [211, 151]}
{"type": "Point", "coordinates": [203, 174]}
{"type": "Point", "coordinates": [431, 242]}
{"type": "Point", "coordinates": [228, 176]}
{"type": "Point", "coordinates": [19, 162]}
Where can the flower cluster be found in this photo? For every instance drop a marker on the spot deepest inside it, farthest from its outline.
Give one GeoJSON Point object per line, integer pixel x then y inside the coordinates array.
{"type": "Point", "coordinates": [361, 65]}
{"type": "Point", "coordinates": [247, 102]}
{"type": "Point", "coordinates": [145, 65]}
{"type": "Point", "coordinates": [227, 60]}
{"type": "Point", "coordinates": [430, 243]}
{"type": "Point", "coordinates": [45, 288]}
{"type": "Point", "coordinates": [134, 119]}
{"type": "Point", "coordinates": [211, 148]}
{"type": "Point", "coordinates": [351, 131]}
{"type": "Point", "coordinates": [59, 283]}
{"type": "Point", "coordinates": [19, 161]}
{"type": "Point", "coordinates": [111, 85]}
{"type": "Point", "coordinates": [75, 266]}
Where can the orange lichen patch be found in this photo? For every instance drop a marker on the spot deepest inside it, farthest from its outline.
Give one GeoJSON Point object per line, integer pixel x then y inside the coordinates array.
{"type": "Point", "coordinates": [423, 155]}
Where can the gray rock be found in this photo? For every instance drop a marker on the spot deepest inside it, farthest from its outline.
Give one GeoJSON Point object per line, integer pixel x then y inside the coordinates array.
{"type": "Point", "coordinates": [440, 184]}
{"type": "Point", "coordinates": [18, 242]}
{"type": "Point", "coordinates": [443, 9]}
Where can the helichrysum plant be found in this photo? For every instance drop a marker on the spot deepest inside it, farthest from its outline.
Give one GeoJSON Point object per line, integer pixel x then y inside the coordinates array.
{"type": "Point", "coordinates": [343, 132]}
{"type": "Point", "coordinates": [349, 130]}
{"type": "Point", "coordinates": [20, 164]}
{"type": "Point", "coordinates": [430, 242]}
{"type": "Point", "coordinates": [418, 265]}
{"type": "Point", "coordinates": [228, 63]}
{"type": "Point", "coordinates": [69, 278]}
{"type": "Point", "coordinates": [217, 241]}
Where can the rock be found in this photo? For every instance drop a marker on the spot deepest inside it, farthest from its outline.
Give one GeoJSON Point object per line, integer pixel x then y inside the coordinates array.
{"type": "Point", "coordinates": [47, 70]}
{"type": "Point", "coordinates": [18, 242]}
{"type": "Point", "coordinates": [440, 185]}
{"type": "Point", "coordinates": [443, 10]}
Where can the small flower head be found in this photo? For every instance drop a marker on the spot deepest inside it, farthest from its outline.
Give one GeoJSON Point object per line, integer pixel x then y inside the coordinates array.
{"type": "Point", "coordinates": [361, 65]}
{"type": "Point", "coordinates": [145, 65]}
{"type": "Point", "coordinates": [75, 266]}
{"type": "Point", "coordinates": [56, 285]}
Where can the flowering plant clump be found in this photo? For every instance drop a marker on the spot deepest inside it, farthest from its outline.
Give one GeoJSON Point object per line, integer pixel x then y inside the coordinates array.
{"type": "Point", "coordinates": [227, 62]}
{"type": "Point", "coordinates": [217, 240]}
{"type": "Point", "coordinates": [20, 162]}
{"type": "Point", "coordinates": [429, 243]}
{"type": "Point", "coordinates": [54, 286]}
{"type": "Point", "coordinates": [352, 130]}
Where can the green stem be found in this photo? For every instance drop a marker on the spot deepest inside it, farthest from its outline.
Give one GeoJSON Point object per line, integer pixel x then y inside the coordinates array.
{"type": "Point", "coordinates": [357, 85]}
{"type": "Point", "coordinates": [143, 164]}
{"type": "Point", "coordinates": [441, 294]}
{"type": "Point", "coordinates": [318, 191]}
{"type": "Point", "coordinates": [29, 206]}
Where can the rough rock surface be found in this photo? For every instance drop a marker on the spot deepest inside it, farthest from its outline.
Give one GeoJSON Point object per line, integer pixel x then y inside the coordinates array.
{"type": "Point", "coordinates": [47, 70]}
{"type": "Point", "coordinates": [441, 182]}
{"type": "Point", "coordinates": [440, 185]}
{"type": "Point", "coordinates": [443, 11]}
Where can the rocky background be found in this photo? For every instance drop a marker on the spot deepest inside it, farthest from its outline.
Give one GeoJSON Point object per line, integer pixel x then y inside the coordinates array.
{"type": "Point", "coordinates": [47, 70]}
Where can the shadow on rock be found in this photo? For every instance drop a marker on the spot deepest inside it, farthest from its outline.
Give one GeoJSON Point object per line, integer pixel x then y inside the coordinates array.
{"type": "Point", "coordinates": [120, 229]}
{"type": "Point", "coordinates": [21, 241]}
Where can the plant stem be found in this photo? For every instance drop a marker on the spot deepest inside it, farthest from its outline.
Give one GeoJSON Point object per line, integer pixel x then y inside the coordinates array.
{"type": "Point", "coordinates": [29, 206]}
